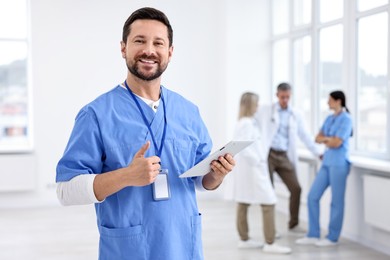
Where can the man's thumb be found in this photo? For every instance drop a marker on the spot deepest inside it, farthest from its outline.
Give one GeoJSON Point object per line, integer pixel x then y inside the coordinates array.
{"type": "Point", "coordinates": [141, 152]}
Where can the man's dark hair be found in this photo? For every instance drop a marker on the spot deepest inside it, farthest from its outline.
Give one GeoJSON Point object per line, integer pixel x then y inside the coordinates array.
{"type": "Point", "coordinates": [284, 87]}
{"type": "Point", "coordinates": [147, 13]}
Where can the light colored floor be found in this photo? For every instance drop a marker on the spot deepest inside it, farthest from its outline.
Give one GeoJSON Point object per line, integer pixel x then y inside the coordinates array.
{"type": "Point", "coordinates": [70, 233]}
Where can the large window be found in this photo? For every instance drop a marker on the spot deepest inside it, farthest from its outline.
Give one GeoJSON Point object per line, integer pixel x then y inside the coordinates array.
{"type": "Point", "coordinates": [330, 65]}
{"type": "Point", "coordinates": [280, 16]}
{"type": "Point", "coordinates": [364, 5]}
{"type": "Point", "coordinates": [302, 12]}
{"type": "Point", "coordinates": [302, 77]}
{"type": "Point", "coordinates": [337, 45]}
{"type": "Point", "coordinates": [15, 131]}
{"type": "Point", "coordinates": [372, 83]}
{"type": "Point", "coordinates": [280, 66]}
{"type": "Point", "coordinates": [330, 10]}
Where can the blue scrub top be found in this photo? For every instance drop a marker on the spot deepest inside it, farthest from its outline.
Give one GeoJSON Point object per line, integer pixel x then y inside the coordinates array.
{"type": "Point", "coordinates": [106, 135]}
{"type": "Point", "coordinates": [337, 126]}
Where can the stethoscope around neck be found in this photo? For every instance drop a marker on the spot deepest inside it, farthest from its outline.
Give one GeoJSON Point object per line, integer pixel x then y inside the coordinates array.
{"type": "Point", "coordinates": [273, 119]}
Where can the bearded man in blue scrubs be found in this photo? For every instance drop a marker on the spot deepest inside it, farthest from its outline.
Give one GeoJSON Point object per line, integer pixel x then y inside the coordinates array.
{"type": "Point", "coordinates": [128, 148]}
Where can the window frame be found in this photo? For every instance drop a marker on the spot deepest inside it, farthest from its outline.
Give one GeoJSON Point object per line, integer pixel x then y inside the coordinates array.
{"type": "Point", "coordinates": [349, 20]}
{"type": "Point", "coordinates": [28, 145]}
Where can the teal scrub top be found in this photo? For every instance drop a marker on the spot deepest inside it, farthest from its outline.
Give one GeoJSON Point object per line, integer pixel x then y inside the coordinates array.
{"type": "Point", "coordinates": [337, 126]}
{"type": "Point", "coordinates": [132, 225]}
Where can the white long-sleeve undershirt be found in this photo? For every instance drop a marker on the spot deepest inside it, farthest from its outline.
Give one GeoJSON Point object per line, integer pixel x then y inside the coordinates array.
{"type": "Point", "coordinates": [79, 190]}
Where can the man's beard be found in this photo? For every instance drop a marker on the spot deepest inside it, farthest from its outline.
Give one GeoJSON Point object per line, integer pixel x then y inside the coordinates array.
{"type": "Point", "coordinates": [134, 69]}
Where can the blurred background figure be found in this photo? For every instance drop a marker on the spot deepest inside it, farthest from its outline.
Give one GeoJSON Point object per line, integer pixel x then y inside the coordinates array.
{"type": "Point", "coordinates": [251, 182]}
{"type": "Point", "coordinates": [334, 134]}
{"type": "Point", "coordinates": [282, 126]}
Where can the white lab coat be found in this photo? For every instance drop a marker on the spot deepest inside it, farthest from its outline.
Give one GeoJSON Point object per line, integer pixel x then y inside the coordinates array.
{"type": "Point", "coordinates": [249, 181]}
{"type": "Point", "coordinates": [268, 117]}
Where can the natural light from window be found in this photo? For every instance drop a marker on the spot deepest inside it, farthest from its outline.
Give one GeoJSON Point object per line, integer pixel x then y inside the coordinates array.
{"type": "Point", "coordinates": [372, 83]}
{"type": "Point", "coordinates": [15, 132]}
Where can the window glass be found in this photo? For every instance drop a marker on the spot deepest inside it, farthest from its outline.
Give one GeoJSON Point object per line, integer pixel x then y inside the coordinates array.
{"type": "Point", "coordinates": [314, 73]}
{"type": "Point", "coordinates": [364, 5]}
{"type": "Point", "coordinates": [280, 68]}
{"type": "Point", "coordinates": [14, 97]}
{"type": "Point", "coordinates": [302, 84]}
{"type": "Point", "coordinates": [280, 16]}
{"type": "Point", "coordinates": [331, 56]}
{"type": "Point", "coordinates": [13, 19]}
{"type": "Point", "coordinates": [331, 10]}
{"type": "Point", "coordinates": [372, 83]}
{"type": "Point", "coordinates": [302, 12]}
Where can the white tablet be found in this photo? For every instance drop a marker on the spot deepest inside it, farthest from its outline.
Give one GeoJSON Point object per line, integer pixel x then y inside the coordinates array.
{"type": "Point", "coordinates": [203, 167]}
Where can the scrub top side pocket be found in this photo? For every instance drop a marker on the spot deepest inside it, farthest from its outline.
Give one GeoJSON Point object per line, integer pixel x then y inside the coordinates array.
{"type": "Point", "coordinates": [122, 243]}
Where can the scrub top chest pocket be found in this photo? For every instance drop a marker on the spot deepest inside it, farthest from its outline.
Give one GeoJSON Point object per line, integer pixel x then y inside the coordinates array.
{"type": "Point", "coordinates": [185, 153]}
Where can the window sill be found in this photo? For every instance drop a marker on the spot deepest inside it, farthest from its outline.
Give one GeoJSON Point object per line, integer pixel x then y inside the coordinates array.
{"type": "Point", "coordinates": [357, 161]}
{"type": "Point", "coordinates": [370, 164]}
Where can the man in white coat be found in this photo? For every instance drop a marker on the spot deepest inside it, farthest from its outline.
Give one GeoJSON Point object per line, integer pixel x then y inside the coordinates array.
{"type": "Point", "coordinates": [281, 127]}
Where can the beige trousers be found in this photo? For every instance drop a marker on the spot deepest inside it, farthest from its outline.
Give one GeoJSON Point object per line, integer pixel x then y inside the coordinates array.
{"type": "Point", "coordinates": [278, 162]}
{"type": "Point", "coordinates": [268, 222]}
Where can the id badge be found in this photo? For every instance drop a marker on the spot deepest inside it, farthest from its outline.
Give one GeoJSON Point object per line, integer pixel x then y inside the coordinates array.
{"type": "Point", "coordinates": [161, 186]}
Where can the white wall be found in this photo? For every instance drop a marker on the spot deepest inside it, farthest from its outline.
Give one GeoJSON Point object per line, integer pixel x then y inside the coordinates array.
{"type": "Point", "coordinates": [220, 51]}
{"type": "Point", "coordinates": [355, 226]}
{"type": "Point", "coordinates": [76, 57]}
{"type": "Point", "coordinates": [248, 51]}
{"type": "Point", "coordinates": [247, 57]}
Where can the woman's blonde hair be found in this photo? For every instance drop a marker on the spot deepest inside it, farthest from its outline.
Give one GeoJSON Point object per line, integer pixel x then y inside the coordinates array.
{"type": "Point", "coordinates": [248, 104]}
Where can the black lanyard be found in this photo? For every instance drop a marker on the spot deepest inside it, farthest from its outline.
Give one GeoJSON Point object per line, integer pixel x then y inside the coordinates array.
{"type": "Point", "coordinates": [158, 150]}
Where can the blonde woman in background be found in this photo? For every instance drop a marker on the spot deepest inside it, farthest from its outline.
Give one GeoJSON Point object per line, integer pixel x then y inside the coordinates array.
{"type": "Point", "coordinates": [252, 184]}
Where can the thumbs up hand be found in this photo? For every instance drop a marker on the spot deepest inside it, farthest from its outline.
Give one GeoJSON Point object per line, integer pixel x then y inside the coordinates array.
{"type": "Point", "coordinates": [142, 171]}
{"type": "Point", "coordinates": [141, 152]}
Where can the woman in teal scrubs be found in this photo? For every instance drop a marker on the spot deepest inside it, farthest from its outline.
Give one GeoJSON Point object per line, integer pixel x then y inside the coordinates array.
{"type": "Point", "coordinates": [335, 134]}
